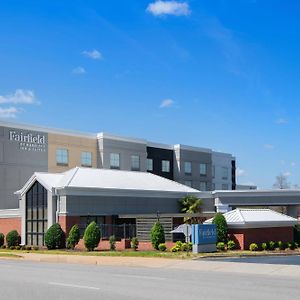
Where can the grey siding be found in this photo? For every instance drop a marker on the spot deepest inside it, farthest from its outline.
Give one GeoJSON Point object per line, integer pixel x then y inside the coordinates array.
{"type": "Point", "coordinates": [18, 161]}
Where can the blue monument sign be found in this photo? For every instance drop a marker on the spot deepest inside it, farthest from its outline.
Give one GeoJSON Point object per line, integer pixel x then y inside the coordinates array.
{"type": "Point", "coordinates": [204, 237]}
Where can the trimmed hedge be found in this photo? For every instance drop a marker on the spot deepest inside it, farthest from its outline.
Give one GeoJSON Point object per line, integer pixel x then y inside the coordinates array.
{"type": "Point", "coordinates": [92, 235]}
{"type": "Point", "coordinates": [55, 237]}
{"type": "Point", "coordinates": [13, 239]}
{"type": "Point", "coordinates": [73, 237]}
{"type": "Point", "coordinates": [157, 235]}
{"type": "Point", "coordinates": [1, 239]}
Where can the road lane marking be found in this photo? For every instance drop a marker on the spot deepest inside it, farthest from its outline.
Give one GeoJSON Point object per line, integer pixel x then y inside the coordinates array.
{"type": "Point", "coordinates": [74, 285]}
{"type": "Point", "coordinates": [139, 276]}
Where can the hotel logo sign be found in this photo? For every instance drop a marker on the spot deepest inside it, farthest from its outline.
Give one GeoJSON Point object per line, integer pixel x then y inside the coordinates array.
{"type": "Point", "coordinates": [29, 141]}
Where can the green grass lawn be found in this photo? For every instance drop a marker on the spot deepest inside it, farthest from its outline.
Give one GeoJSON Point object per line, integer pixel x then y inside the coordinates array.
{"type": "Point", "coordinates": [3, 254]}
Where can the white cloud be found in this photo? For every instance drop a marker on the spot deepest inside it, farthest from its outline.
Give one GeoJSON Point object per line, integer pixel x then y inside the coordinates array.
{"type": "Point", "coordinates": [9, 113]}
{"type": "Point", "coordinates": [175, 8]}
{"type": "Point", "coordinates": [166, 103]}
{"type": "Point", "coordinates": [78, 71]}
{"type": "Point", "coordinates": [268, 146]}
{"type": "Point", "coordinates": [287, 174]}
{"type": "Point", "coordinates": [281, 121]}
{"type": "Point", "coordinates": [93, 54]}
{"type": "Point", "coordinates": [240, 172]}
{"type": "Point", "coordinates": [19, 97]}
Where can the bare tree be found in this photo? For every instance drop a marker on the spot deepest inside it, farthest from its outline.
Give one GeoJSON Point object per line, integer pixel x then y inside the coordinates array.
{"type": "Point", "coordinates": [281, 182]}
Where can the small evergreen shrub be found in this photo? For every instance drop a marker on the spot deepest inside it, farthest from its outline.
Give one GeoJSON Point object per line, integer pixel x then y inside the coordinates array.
{"type": "Point", "coordinates": [134, 243]}
{"type": "Point", "coordinates": [184, 247]}
{"type": "Point", "coordinates": [253, 247]}
{"type": "Point", "coordinates": [221, 246]}
{"type": "Point", "coordinates": [271, 245]}
{"type": "Point", "coordinates": [36, 248]}
{"type": "Point", "coordinates": [92, 236]}
{"type": "Point", "coordinates": [18, 247]}
{"type": "Point", "coordinates": [296, 245]}
{"type": "Point", "coordinates": [73, 237]}
{"type": "Point", "coordinates": [280, 245]}
{"type": "Point", "coordinates": [231, 245]}
{"type": "Point", "coordinates": [222, 228]}
{"type": "Point", "coordinates": [13, 239]}
{"type": "Point", "coordinates": [157, 235]}
{"type": "Point", "coordinates": [162, 247]}
{"type": "Point", "coordinates": [291, 245]}
{"type": "Point", "coordinates": [174, 249]}
{"type": "Point", "coordinates": [12, 247]}
{"type": "Point", "coordinates": [264, 246]}
{"type": "Point", "coordinates": [1, 239]}
{"type": "Point", "coordinates": [3, 247]}
{"type": "Point", "coordinates": [55, 237]}
{"type": "Point", "coordinates": [27, 248]}
{"type": "Point", "coordinates": [112, 243]}
{"type": "Point", "coordinates": [23, 247]}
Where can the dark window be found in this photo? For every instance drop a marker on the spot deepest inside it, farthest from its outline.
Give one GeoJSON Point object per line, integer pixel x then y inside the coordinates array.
{"type": "Point", "coordinates": [36, 214]}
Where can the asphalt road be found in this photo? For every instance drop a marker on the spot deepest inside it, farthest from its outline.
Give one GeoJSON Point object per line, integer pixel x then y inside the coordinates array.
{"type": "Point", "coordinates": [273, 260]}
{"type": "Point", "coordinates": [30, 280]}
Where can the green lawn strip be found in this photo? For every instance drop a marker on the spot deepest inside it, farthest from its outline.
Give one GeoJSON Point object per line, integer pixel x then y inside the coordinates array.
{"type": "Point", "coordinates": [9, 255]}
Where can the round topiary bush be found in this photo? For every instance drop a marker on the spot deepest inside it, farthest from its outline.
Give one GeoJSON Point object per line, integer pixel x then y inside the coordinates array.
{"type": "Point", "coordinates": [162, 247]}
{"type": "Point", "coordinates": [231, 245]}
{"type": "Point", "coordinates": [73, 237]}
{"type": "Point", "coordinates": [1, 239]}
{"type": "Point", "coordinates": [13, 239]}
{"type": "Point", "coordinates": [92, 236]}
{"type": "Point", "coordinates": [157, 235]}
{"type": "Point", "coordinates": [264, 246]}
{"type": "Point", "coordinates": [55, 237]}
{"type": "Point", "coordinates": [222, 228]}
{"type": "Point", "coordinates": [221, 246]}
{"type": "Point", "coordinates": [253, 247]}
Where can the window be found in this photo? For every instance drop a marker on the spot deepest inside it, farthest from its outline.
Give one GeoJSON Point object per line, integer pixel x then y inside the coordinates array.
{"type": "Point", "coordinates": [187, 167]}
{"type": "Point", "coordinates": [36, 215]}
{"type": "Point", "coordinates": [86, 159]}
{"type": "Point", "coordinates": [213, 171]}
{"type": "Point", "coordinates": [224, 186]}
{"type": "Point", "coordinates": [203, 169]}
{"type": "Point", "coordinates": [149, 164]}
{"type": "Point", "coordinates": [62, 157]}
{"type": "Point", "coordinates": [203, 186]}
{"type": "Point", "coordinates": [135, 163]}
{"type": "Point", "coordinates": [165, 166]}
{"type": "Point", "coordinates": [188, 183]}
{"type": "Point", "coordinates": [86, 220]}
{"type": "Point", "coordinates": [114, 160]}
{"type": "Point", "coordinates": [224, 173]}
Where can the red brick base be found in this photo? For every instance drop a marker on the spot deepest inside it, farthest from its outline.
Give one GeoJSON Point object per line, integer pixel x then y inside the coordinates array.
{"type": "Point", "coordinates": [244, 237]}
{"type": "Point", "coordinates": [66, 222]}
{"type": "Point", "coordinates": [8, 224]}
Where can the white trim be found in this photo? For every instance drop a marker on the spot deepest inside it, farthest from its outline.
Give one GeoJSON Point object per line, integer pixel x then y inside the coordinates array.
{"type": "Point", "coordinates": [191, 148]}
{"type": "Point", "coordinates": [103, 135]}
{"type": "Point", "coordinates": [10, 213]}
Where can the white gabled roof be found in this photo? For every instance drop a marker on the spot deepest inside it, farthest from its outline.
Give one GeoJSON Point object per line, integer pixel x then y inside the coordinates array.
{"type": "Point", "coordinates": [256, 218]}
{"type": "Point", "coordinates": [108, 180]}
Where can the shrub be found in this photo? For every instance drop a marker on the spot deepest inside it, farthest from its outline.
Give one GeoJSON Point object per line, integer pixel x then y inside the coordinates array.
{"type": "Point", "coordinates": [162, 247]}
{"type": "Point", "coordinates": [221, 246]}
{"type": "Point", "coordinates": [12, 247]}
{"type": "Point", "coordinates": [112, 243]}
{"type": "Point", "coordinates": [134, 243]}
{"type": "Point", "coordinates": [296, 245]}
{"type": "Point", "coordinates": [222, 228]}
{"type": "Point", "coordinates": [291, 245]}
{"type": "Point", "coordinates": [3, 247]}
{"type": "Point", "coordinates": [23, 247]}
{"type": "Point", "coordinates": [73, 237]}
{"type": "Point", "coordinates": [55, 237]}
{"type": "Point", "coordinates": [17, 247]}
{"type": "Point", "coordinates": [13, 239]}
{"type": "Point", "coordinates": [1, 239]}
{"type": "Point", "coordinates": [27, 248]}
{"type": "Point", "coordinates": [157, 235]}
{"type": "Point", "coordinates": [174, 249]}
{"type": "Point", "coordinates": [231, 245]}
{"type": "Point", "coordinates": [271, 245]}
{"type": "Point", "coordinates": [253, 247]}
{"type": "Point", "coordinates": [36, 248]}
{"type": "Point", "coordinates": [92, 236]}
{"type": "Point", "coordinates": [264, 246]}
{"type": "Point", "coordinates": [185, 247]}
{"type": "Point", "coordinates": [297, 233]}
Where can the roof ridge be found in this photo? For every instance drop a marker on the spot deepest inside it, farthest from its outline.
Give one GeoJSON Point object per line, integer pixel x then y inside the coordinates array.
{"type": "Point", "coordinates": [72, 177]}
{"type": "Point", "coordinates": [240, 214]}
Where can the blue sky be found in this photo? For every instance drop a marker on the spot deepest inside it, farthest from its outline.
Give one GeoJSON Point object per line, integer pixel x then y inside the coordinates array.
{"type": "Point", "coordinates": [218, 74]}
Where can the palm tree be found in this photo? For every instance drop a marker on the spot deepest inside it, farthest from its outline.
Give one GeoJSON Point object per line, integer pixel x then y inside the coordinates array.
{"type": "Point", "coordinates": [190, 205]}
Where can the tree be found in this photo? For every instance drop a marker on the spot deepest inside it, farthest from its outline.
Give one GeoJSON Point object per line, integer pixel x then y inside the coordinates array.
{"type": "Point", "coordinates": [157, 235]}
{"type": "Point", "coordinates": [74, 237]}
{"type": "Point", "coordinates": [92, 236]}
{"type": "Point", "coordinates": [190, 205]}
{"type": "Point", "coordinates": [55, 237]}
{"type": "Point", "coordinates": [281, 182]}
{"type": "Point", "coordinates": [222, 229]}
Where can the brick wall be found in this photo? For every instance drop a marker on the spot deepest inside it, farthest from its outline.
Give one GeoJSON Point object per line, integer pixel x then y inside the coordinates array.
{"type": "Point", "coordinates": [244, 237]}
{"type": "Point", "coordinates": [66, 222]}
{"type": "Point", "coordinates": [8, 224]}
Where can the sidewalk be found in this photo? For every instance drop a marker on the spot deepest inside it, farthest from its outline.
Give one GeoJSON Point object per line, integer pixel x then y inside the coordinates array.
{"type": "Point", "coordinates": [176, 264]}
